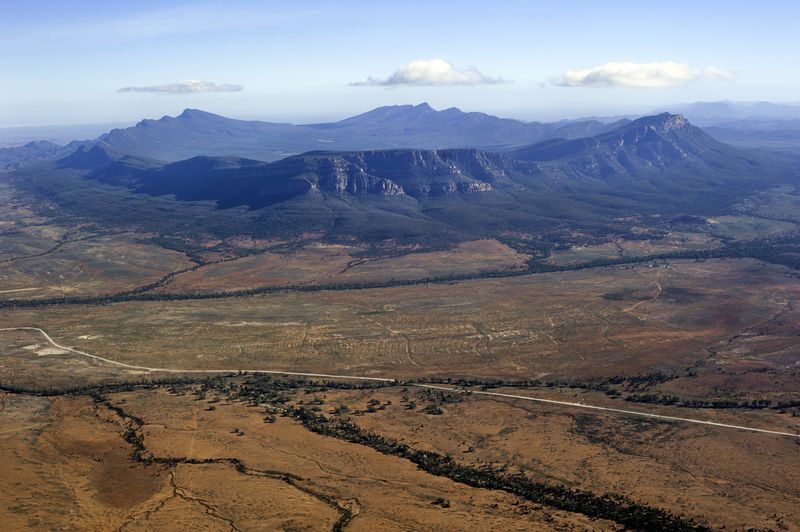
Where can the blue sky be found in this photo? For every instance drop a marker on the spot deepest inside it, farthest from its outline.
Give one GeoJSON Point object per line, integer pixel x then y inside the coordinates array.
{"type": "Point", "coordinates": [65, 62]}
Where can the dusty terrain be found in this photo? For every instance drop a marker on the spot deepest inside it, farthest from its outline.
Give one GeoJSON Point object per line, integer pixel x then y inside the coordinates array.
{"type": "Point", "coordinates": [115, 443]}
{"type": "Point", "coordinates": [70, 452]}
{"type": "Point", "coordinates": [698, 470]}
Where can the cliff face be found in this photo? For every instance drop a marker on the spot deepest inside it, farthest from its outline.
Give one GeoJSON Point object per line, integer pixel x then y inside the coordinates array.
{"type": "Point", "coordinates": [232, 181]}
{"type": "Point", "coordinates": [419, 173]}
{"type": "Point", "coordinates": [335, 174]}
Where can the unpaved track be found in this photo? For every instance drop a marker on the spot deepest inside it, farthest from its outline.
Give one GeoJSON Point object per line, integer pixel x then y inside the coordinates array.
{"type": "Point", "coordinates": [418, 385]}
{"type": "Point", "coordinates": [176, 370]}
{"type": "Point", "coordinates": [21, 290]}
{"type": "Point", "coordinates": [608, 409]}
{"type": "Point", "coordinates": [20, 429]}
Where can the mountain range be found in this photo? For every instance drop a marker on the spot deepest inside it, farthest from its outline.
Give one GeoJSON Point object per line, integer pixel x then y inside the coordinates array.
{"type": "Point", "coordinates": [655, 164]}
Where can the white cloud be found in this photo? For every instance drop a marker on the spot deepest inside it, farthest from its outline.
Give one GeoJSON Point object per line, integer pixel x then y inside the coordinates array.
{"type": "Point", "coordinates": [656, 75]}
{"type": "Point", "coordinates": [432, 72]}
{"type": "Point", "coordinates": [186, 87]}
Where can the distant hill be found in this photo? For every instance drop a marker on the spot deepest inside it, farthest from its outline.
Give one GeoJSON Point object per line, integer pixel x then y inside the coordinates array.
{"type": "Point", "coordinates": [712, 113]}
{"type": "Point", "coordinates": [759, 133]}
{"type": "Point", "coordinates": [12, 158]}
{"type": "Point", "coordinates": [748, 124]}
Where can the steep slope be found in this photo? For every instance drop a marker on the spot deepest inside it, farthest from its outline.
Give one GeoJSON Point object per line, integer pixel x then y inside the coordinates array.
{"type": "Point", "coordinates": [419, 173]}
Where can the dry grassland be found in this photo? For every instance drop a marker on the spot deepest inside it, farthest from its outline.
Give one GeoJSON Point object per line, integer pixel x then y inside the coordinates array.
{"type": "Point", "coordinates": [586, 324]}
{"type": "Point", "coordinates": [330, 263]}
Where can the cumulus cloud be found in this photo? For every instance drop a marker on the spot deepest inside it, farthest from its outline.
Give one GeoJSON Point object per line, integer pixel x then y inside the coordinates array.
{"type": "Point", "coordinates": [186, 87]}
{"type": "Point", "coordinates": [431, 72]}
{"type": "Point", "coordinates": [656, 75]}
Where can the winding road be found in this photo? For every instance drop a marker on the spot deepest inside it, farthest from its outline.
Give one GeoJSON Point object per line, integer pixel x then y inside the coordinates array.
{"type": "Point", "coordinates": [418, 385]}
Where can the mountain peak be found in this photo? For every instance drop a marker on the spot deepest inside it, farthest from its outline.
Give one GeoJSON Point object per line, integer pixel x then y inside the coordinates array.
{"type": "Point", "coordinates": [188, 115]}
{"type": "Point", "coordinates": [452, 111]}
{"type": "Point", "coordinates": [90, 156]}
{"type": "Point", "coordinates": [661, 123]}
{"type": "Point", "coordinates": [649, 143]}
{"type": "Point", "coordinates": [194, 114]}
{"type": "Point", "coordinates": [41, 145]}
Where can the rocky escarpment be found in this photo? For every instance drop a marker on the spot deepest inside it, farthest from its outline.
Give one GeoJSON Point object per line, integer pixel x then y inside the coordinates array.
{"type": "Point", "coordinates": [336, 174]}
{"type": "Point", "coordinates": [419, 173]}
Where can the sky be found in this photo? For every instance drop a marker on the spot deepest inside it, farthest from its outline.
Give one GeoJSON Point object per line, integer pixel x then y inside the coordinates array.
{"type": "Point", "coordinates": [92, 61]}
